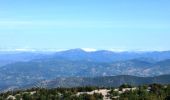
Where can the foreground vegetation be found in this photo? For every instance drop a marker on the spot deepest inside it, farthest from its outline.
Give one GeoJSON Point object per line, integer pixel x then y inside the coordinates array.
{"type": "Point", "coordinates": [124, 92]}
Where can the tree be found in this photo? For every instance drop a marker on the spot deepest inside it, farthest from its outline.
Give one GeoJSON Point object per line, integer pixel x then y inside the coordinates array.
{"type": "Point", "coordinates": [26, 96]}
{"type": "Point", "coordinates": [125, 86]}
{"type": "Point", "coordinates": [18, 97]}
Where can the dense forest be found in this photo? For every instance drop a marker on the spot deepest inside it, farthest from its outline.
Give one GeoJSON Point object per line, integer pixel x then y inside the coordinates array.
{"type": "Point", "coordinates": [124, 92]}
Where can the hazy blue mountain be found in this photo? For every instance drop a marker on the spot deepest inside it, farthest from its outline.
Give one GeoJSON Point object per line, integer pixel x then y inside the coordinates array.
{"type": "Point", "coordinates": [8, 57]}
{"type": "Point", "coordinates": [109, 56]}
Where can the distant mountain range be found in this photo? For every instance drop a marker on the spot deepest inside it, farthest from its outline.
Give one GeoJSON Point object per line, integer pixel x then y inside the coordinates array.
{"type": "Point", "coordinates": [7, 57]}
{"type": "Point", "coordinates": [19, 69]}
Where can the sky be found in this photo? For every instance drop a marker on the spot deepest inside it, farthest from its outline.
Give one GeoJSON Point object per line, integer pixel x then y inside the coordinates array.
{"type": "Point", "coordinates": [100, 24]}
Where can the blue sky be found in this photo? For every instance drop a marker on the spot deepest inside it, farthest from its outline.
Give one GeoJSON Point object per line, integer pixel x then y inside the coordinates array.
{"type": "Point", "coordinates": [100, 24]}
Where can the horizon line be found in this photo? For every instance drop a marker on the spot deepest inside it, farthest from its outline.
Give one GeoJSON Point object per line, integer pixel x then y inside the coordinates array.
{"type": "Point", "coordinates": [84, 49]}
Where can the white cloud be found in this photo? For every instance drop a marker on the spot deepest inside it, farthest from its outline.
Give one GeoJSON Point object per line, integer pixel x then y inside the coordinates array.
{"type": "Point", "coordinates": [89, 49]}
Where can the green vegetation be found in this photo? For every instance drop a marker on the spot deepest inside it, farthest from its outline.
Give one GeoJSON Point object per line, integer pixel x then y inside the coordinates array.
{"type": "Point", "coordinates": [52, 94]}
{"type": "Point", "coordinates": [150, 92]}
{"type": "Point", "coordinates": [124, 92]}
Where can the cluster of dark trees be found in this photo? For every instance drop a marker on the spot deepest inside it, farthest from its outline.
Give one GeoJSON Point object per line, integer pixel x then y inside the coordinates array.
{"type": "Point", "coordinates": [144, 92]}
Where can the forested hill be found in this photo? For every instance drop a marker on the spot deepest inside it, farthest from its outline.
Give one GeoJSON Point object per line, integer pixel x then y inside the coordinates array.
{"type": "Point", "coordinates": [109, 81]}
